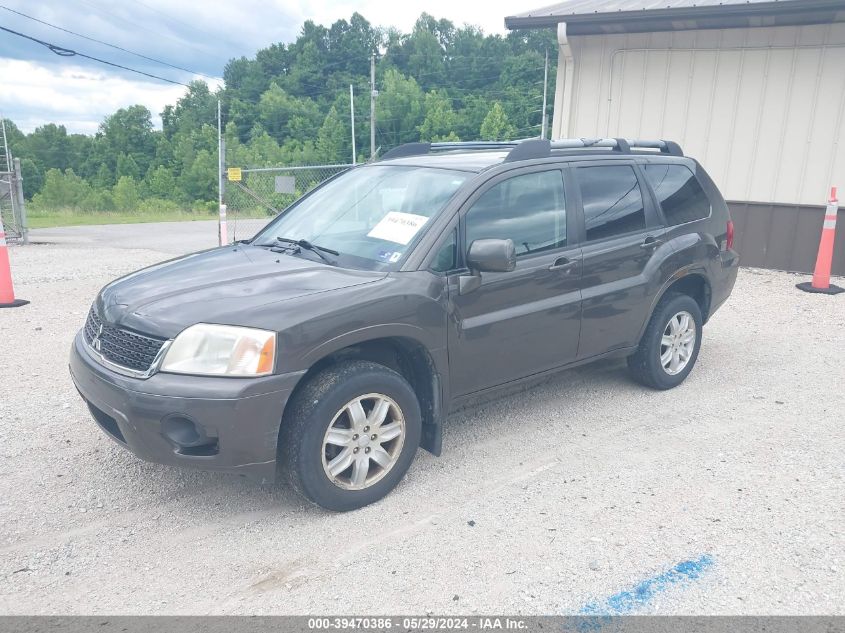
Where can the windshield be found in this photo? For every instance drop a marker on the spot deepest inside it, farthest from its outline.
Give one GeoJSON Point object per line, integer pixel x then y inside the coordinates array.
{"type": "Point", "coordinates": [370, 215]}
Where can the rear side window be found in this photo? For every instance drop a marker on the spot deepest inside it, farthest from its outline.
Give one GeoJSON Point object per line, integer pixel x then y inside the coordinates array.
{"type": "Point", "coordinates": [528, 209]}
{"type": "Point", "coordinates": [613, 202]}
{"type": "Point", "coordinates": [679, 192]}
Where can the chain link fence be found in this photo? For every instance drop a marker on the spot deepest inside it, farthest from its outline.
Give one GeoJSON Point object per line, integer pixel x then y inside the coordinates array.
{"type": "Point", "coordinates": [12, 209]}
{"type": "Point", "coordinates": [262, 193]}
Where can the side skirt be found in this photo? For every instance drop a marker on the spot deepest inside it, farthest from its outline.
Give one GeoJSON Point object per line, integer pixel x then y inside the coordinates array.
{"type": "Point", "coordinates": [471, 398]}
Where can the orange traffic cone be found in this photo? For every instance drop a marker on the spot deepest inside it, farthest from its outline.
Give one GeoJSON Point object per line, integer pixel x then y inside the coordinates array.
{"type": "Point", "coordinates": [821, 276]}
{"type": "Point", "coordinates": [7, 292]}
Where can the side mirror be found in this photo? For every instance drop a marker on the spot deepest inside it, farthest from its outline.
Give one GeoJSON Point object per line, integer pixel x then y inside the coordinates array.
{"type": "Point", "coordinates": [492, 256]}
{"type": "Point", "coordinates": [487, 256]}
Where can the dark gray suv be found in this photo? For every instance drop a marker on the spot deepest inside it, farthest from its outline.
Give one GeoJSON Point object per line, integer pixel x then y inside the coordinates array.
{"type": "Point", "coordinates": [334, 343]}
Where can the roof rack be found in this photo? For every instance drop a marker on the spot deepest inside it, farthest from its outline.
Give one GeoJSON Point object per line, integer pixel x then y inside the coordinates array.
{"type": "Point", "coordinates": [623, 145]}
{"type": "Point", "coordinates": [526, 149]}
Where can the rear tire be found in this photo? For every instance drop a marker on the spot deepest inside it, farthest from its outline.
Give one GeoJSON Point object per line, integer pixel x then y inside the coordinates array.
{"type": "Point", "coordinates": [669, 347]}
{"type": "Point", "coordinates": [330, 442]}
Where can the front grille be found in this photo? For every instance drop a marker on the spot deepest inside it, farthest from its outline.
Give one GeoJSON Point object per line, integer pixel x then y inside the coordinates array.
{"type": "Point", "coordinates": [121, 347]}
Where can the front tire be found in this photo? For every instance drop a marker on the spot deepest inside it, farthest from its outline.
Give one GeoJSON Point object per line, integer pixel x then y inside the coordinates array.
{"type": "Point", "coordinates": [669, 348]}
{"type": "Point", "coordinates": [350, 435]}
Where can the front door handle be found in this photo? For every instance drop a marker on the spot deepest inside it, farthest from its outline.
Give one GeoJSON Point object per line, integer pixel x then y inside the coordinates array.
{"type": "Point", "coordinates": [651, 242]}
{"type": "Point", "coordinates": [564, 264]}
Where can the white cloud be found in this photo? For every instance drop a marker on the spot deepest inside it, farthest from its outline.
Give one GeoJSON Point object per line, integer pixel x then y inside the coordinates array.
{"type": "Point", "coordinates": [77, 97]}
{"type": "Point", "coordinates": [198, 34]}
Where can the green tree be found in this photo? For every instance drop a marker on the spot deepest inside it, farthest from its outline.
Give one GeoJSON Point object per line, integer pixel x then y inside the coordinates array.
{"type": "Point", "coordinates": [14, 137]}
{"type": "Point", "coordinates": [163, 151]}
{"type": "Point", "coordinates": [331, 139]}
{"type": "Point", "coordinates": [474, 61]}
{"type": "Point", "coordinates": [130, 131]}
{"type": "Point", "coordinates": [350, 45]}
{"type": "Point", "coordinates": [399, 108]}
{"type": "Point", "coordinates": [199, 179]}
{"type": "Point", "coordinates": [440, 119]}
{"type": "Point", "coordinates": [80, 147]}
{"type": "Point", "coordinates": [306, 73]}
{"type": "Point", "coordinates": [99, 200]}
{"type": "Point", "coordinates": [195, 108]}
{"type": "Point", "coordinates": [274, 61]}
{"type": "Point", "coordinates": [496, 126]}
{"type": "Point", "coordinates": [126, 166]}
{"type": "Point", "coordinates": [261, 150]}
{"type": "Point", "coordinates": [33, 178]}
{"type": "Point", "coordinates": [284, 116]}
{"type": "Point", "coordinates": [104, 178]}
{"type": "Point", "coordinates": [49, 147]}
{"type": "Point", "coordinates": [427, 50]}
{"type": "Point", "coordinates": [245, 79]}
{"type": "Point", "coordinates": [161, 183]}
{"type": "Point", "coordinates": [99, 156]}
{"type": "Point", "coordinates": [126, 194]}
{"type": "Point", "coordinates": [243, 115]}
{"type": "Point", "coordinates": [61, 190]}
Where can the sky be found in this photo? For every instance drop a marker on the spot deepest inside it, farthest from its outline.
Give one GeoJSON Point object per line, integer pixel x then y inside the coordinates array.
{"type": "Point", "coordinates": [38, 86]}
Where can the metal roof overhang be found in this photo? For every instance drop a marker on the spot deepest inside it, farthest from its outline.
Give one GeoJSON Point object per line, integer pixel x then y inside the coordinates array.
{"type": "Point", "coordinates": [722, 16]}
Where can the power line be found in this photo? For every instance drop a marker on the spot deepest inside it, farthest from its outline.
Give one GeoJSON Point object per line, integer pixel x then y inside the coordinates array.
{"type": "Point", "coordinates": [67, 52]}
{"type": "Point", "coordinates": [135, 24]}
{"type": "Point", "coordinates": [91, 39]}
{"type": "Point", "coordinates": [172, 19]}
{"type": "Point", "coordinates": [205, 34]}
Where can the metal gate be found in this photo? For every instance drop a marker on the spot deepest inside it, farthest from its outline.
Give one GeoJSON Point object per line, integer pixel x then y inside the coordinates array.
{"type": "Point", "coordinates": [12, 210]}
{"type": "Point", "coordinates": [254, 196]}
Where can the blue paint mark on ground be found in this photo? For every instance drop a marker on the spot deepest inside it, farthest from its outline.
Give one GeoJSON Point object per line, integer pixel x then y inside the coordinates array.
{"type": "Point", "coordinates": [641, 594]}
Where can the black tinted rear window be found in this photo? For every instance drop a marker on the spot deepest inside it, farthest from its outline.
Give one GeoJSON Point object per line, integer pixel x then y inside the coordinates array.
{"type": "Point", "coordinates": [679, 193]}
{"type": "Point", "coordinates": [613, 204]}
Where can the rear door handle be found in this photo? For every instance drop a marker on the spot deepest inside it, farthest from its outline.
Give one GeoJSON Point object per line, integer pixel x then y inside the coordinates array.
{"type": "Point", "coordinates": [651, 242]}
{"type": "Point", "coordinates": [564, 264]}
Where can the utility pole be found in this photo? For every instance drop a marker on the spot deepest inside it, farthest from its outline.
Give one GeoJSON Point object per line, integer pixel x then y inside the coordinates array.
{"type": "Point", "coordinates": [543, 127]}
{"type": "Point", "coordinates": [221, 163]}
{"type": "Point", "coordinates": [23, 228]}
{"type": "Point", "coordinates": [373, 95]}
{"type": "Point", "coordinates": [352, 121]}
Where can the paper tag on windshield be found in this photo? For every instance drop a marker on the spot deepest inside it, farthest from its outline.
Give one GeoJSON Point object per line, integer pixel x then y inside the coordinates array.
{"type": "Point", "coordinates": [398, 227]}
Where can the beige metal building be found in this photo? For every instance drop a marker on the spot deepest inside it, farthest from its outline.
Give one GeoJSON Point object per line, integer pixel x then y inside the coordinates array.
{"type": "Point", "coordinates": [754, 89]}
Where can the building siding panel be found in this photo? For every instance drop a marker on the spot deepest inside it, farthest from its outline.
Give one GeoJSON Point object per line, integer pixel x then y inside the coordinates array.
{"type": "Point", "coordinates": [761, 108]}
{"type": "Point", "coordinates": [783, 237]}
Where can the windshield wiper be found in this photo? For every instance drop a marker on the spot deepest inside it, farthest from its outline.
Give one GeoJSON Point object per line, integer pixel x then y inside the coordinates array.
{"type": "Point", "coordinates": [319, 250]}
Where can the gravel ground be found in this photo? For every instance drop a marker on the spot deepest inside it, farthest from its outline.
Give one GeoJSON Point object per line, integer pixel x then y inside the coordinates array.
{"type": "Point", "coordinates": [544, 502]}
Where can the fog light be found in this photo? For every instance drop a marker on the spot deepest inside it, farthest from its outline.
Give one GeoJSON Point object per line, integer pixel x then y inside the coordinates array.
{"type": "Point", "coordinates": [183, 431]}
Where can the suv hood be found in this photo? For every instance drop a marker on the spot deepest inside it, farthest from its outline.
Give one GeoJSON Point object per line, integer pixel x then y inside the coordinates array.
{"type": "Point", "coordinates": [228, 285]}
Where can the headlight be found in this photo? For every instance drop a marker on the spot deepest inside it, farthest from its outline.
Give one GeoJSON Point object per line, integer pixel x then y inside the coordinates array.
{"type": "Point", "coordinates": [221, 350]}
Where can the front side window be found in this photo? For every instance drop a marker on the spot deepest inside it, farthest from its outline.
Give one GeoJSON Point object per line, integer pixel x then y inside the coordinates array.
{"type": "Point", "coordinates": [613, 203]}
{"type": "Point", "coordinates": [528, 209]}
{"type": "Point", "coordinates": [680, 194]}
{"type": "Point", "coordinates": [370, 215]}
{"type": "Point", "coordinates": [447, 255]}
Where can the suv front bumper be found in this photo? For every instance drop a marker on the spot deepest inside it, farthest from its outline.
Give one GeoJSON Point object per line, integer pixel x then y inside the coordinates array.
{"type": "Point", "coordinates": [223, 424]}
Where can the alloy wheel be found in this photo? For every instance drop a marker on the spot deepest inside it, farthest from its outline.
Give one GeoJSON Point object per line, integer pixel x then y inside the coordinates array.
{"type": "Point", "coordinates": [677, 343]}
{"type": "Point", "coordinates": [363, 441]}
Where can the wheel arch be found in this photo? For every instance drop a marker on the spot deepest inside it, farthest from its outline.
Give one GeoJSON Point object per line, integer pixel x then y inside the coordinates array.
{"type": "Point", "coordinates": [696, 285]}
{"type": "Point", "coordinates": [691, 282]}
{"type": "Point", "coordinates": [405, 354]}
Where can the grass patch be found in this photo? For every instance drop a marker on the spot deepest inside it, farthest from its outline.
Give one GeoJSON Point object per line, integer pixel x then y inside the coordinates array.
{"type": "Point", "coordinates": [50, 219]}
{"type": "Point", "coordinates": [66, 217]}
